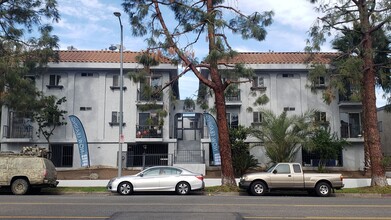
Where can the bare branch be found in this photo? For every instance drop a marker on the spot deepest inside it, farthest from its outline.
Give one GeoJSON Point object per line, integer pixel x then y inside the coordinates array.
{"type": "Point", "coordinates": [187, 69]}
{"type": "Point", "coordinates": [180, 54]}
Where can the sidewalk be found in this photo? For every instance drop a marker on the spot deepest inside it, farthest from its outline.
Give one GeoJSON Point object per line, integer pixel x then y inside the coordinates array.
{"type": "Point", "coordinates": [349, 183]}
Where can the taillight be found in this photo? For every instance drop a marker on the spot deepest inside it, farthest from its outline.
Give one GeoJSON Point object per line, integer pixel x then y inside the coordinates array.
{"type": "Point", "coordinates": [45, 172]}
{"type": "Point", "coordinates": [341, 177]}
{"type": "Point", "coordinates": [201, 177]}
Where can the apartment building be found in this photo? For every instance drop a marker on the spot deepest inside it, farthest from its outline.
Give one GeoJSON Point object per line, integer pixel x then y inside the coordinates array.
{"type": "Point", "coordinates": [90, 82]}
{"type": "Point", "coordinates": [283, 78]}
{"type": "Point", "coordinates": [160, 129]}
{"type": "Point", "coordinates": [384, 126]}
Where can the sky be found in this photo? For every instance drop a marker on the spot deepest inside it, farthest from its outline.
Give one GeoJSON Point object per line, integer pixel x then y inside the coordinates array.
{"type": "Point", "coordinates": [91, 25]}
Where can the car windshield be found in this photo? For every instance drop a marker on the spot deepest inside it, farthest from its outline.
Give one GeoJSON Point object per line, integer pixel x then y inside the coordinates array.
{"type": "Point", "coordinates": [270, 169]}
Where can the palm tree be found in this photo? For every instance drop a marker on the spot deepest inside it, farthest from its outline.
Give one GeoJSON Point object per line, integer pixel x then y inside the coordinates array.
{"type": "Point", "coordinates": [283, 135]}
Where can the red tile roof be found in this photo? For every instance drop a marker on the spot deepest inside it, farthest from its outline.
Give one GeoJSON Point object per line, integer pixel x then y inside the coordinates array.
{"type": "Point", "coordinates": [282, 58]}
{"type": "Point", "coordinates": [103, 56]}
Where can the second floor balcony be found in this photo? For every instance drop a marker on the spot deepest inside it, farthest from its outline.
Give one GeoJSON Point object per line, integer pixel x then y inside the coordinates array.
{"type": "Point", "coordinates": [149, 96]}
{"type": "Point", "coordinates": [149, 131]}
{"type": "Point", "coordinates": [233, 98]}
{"type": "Point", "coordinates": [18, 131]}
{"type": "Point", "coordinates": [351, 131]}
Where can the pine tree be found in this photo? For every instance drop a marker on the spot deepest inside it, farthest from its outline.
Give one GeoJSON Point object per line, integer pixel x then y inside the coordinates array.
{"type": "Point", "coordinates": [174, 28]}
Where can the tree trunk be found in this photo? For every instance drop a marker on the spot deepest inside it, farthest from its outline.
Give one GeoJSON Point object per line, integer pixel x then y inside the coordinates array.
{"type": "Point", "coordinates": [227, 171]}
{"type": "Point", "coordinates": [369, 103]}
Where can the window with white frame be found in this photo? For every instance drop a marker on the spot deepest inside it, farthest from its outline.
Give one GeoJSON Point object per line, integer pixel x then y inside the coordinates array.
{"type": "Point", "coordinates": [320, 81]}
{"type": "Point", "coordinates": [232, 120]}
{"type": "Point", "coordinates": [116, 83]}
{"type": "Point", "coordinates": [116, 80]}
{"type": "Point", "coordinates": [115, 118]}
{"type": "Point", "coordinates": [257, 117]}
{"type": "Point", "coordinates": [320, 116]}
{"type": "Point", "coordinates": [258, 82]}
{"type": "Point", "coordinates": [54, 82]}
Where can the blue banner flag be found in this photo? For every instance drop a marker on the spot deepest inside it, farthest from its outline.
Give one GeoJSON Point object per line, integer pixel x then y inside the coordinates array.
{"type": "Point", "coordinates": [214, 137]}
{"type": "Point", "coordinates": [81, 140]}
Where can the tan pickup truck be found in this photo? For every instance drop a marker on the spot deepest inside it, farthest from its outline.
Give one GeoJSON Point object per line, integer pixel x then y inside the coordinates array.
{"type": "Point", "coordinates": [290, 176]}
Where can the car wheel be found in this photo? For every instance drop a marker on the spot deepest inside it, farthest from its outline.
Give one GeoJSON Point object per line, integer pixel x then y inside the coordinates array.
{"type": "Point", "coordinates": [125, 188]}
{"type": "Point", "coordinates": [19, 187]}
{"type": "Point", "coordinates": [258, 188]}
{"type": "Point", "coordinates": [182, 188]}
{"type": "Point", "coordinates": [323, 189]}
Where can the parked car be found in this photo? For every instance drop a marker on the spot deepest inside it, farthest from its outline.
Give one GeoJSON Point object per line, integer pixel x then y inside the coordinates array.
{"type": "Point", "coordinates": [158, 178]}
{"type": "Point", "coordinates": [290, 176]}
{"type": "Point", "coordinates": [26, 173]}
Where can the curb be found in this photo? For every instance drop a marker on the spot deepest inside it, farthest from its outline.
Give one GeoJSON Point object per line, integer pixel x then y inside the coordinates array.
{"type": "Point", "coordinates": [347, 195]}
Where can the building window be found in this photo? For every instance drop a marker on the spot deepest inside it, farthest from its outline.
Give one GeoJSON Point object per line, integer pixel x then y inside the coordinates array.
{"type": "Point", "coordinates": [62, 155]}
{"type": "Point", "coordinates": [257, 117]}
{"type": "Point", "coordinates": [85, 108]}
{"type": "Point", "coordinates": [87, 74]}
{"type": "Point", "coordinates": [350, 125]}
{"type": "Point", "coordinates": [116, 80]}
{"type": "Point", "coordinates": [286, 109]}
{"type": "Point", "coordinates": [288, 75]}
{"type": "Point", "coordinates": [320, 82]}
{"type": "Point", "coordinates": [115, 119]}
{"type": "Point", "coordinates": [150, 90]}
{"type": "Point", "coordinates": [320, 116]}
{"type": "Point", "coordinates": [380, 126]}
{"type": "Point", "coordinates": [258, 83]}
{"type": "Point", "coordinates": [232, 120]}
{"type": "Point", "coordinates": [116, 84]}
{"type": "Point", "coordinates": [54, 82]}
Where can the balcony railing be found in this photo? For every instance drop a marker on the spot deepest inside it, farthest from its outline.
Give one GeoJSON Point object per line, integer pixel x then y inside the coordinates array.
{"type": "Point", "coordinates": [146, 97]}
{"type": "Point", "coordinates": [149, 131]}
{"type": "Point", "coordinates": [17, 131]}
{"type": "Point", "coordinates": [350, 131]}
{"type": "Point", "coordinates": [234, 97]}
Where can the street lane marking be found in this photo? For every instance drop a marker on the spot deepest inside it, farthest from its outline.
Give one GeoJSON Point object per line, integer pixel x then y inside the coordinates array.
{"type": "Point", "coordinates": [54, 217]}
{"type": "Point", "coordinates": [318, 218]}
{"type": "Point", "coordinates": [197, 204]}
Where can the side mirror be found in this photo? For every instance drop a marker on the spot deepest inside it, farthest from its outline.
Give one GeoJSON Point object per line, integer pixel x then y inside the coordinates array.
{"type": "Point", "coordinates": [274, 171]}
{"type": "Point", "coordinates": [141, 174]}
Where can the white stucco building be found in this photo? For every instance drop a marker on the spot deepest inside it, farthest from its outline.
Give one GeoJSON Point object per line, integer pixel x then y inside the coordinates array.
{"type": "Point", "coordinates": [159, 128]}
{"type": "Point", "coordinates": [283, 78]}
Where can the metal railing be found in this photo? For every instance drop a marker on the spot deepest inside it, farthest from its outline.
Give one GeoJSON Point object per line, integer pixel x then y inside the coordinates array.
{"type": "Point", "coordinates": [149, 131]}
{"type": "Point", "coordinates": [144, 96]}
{"type": "Point", "coordinates": [233, 97]}
{"type": "Point", "coordinates": [147, 160]}
{"type": "Point", "coordinates": [17, 131]}
{"type": "Point", "coordinates": [189, 156]}
{"type": "Point", "coordinates": [350, 131]}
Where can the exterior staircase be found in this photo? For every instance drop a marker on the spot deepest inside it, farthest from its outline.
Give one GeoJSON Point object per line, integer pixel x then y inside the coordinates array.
{"type": "Point", "coordinates": [189, 156]}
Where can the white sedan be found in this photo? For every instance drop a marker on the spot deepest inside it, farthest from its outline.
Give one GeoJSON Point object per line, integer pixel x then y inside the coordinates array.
{"type": "Point", "coordinates": [159, 178]}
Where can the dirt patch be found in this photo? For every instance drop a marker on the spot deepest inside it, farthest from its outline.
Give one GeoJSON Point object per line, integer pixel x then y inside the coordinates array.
{"type": "Point", "coordinates": [92, 173]}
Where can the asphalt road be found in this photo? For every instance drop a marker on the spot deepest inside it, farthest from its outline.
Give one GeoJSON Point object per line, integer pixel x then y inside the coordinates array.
{"type": "Point", "coordinates": [196, 206]}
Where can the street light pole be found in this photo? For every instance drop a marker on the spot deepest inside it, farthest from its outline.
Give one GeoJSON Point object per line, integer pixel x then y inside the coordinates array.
{"type": "Point", "coordinates": [121, 94]}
